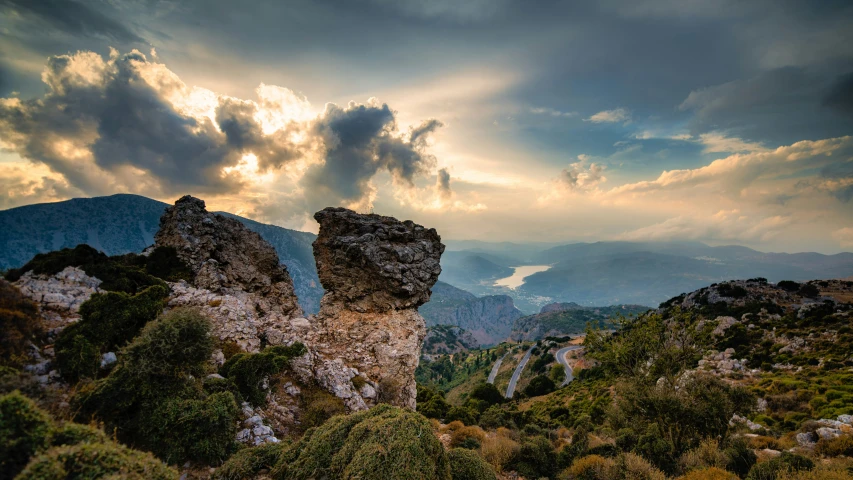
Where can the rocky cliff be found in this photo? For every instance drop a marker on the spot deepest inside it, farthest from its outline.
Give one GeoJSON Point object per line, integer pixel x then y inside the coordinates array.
{"type": "Point", "coordinates": [489, 319]}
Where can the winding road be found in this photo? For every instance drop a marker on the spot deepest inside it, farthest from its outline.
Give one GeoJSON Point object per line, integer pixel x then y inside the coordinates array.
{"type": "Point", "coordinates": [494, 372]}
{"type": "Point", "coordinates": [561, 357]}
{"type": "Point", "coordinates": [517, 373]}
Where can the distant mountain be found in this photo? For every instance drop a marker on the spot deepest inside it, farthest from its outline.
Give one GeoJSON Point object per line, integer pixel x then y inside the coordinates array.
{"type": "Point", "coordinates": [124, 223]}
{"type": "Point", "coordinates": [489, 319]}
{"type": "Point", "coordinates": [607, 273]}
{"type": "Point", "coordinates": [559, 319]}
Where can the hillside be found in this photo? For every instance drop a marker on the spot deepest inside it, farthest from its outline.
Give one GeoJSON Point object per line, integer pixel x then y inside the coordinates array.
{"type": "Point", "coordinates": [559, 319]}
{"type": "Point", "coordinates": [489, 319]}
{"type": "Point", "coordinates": [465, 269]}
{"type": "Point", "coordinates": [121, 224]}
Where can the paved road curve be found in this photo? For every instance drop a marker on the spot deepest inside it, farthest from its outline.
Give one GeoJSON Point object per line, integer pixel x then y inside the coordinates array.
{"type": "Point", "coordinates": [517, 373]}
{"type": "Point", "coordinates": [494, 372]}
{"type": "Point", "coordinates": [561, 357]}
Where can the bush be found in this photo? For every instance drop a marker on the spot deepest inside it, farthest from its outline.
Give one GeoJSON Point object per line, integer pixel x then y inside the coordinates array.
{"type": "Point", "coordinates": [540, 385]}
{"type": "Point", "coordinates": [248, 370]}
{"type": "Point", "coordinates": [787, 462]}
{"type": "Point", "coordinates": [154, 397]}
{"type": "Point", "coordinates": [467, 465]}
{"type": "Point", "coordinates": [711, 473]}
{"type": "Point", "coordinates": [20, 325]}
{"type": "Point", "coordinates": [384, 442]}
{"type": "Point", "coordinates": [835, 447]}
{"type": "Point", "coordinates": [201, 429]}
{"type": "Point", "coordinates": [247, 462]}
{"type": "Point", "coordinates": [536, 458]}
{"type": "Point", "coordinates": [741, 457]}
{"type": "Point", "coordinates": [487, 393]}
{"type": "Point", "coordinates": [460, 436]}
{"type": "Point", "coordinates": [109, 321]}
{"type": "Point", "coordinates": [75, 434]}
{"type": "Point", "coordinates": [707, 454]}
{"type": "Point", "coordinates": [124, 273]}
{"type": "Point", "coordinates": [499, 450]}
{"type": "Point", "coordinates": [319, 406]}
{"type": "Point", "coordinates": [24, 430]}
{"type": "Point", "coordinates": [461, 414]}
{"type": "Point", "coordinates": [496, 417]}
{"type": "Point", "coordinates": [636, 467]}
{"type": "Point", "coordinates": [163, 262]}
{"type": "Point", "coordinates": [788, 285]}
{"type": "Point", "coordinates": [96, 460]}
{"type": "Point", "coordinates": [591, 467]}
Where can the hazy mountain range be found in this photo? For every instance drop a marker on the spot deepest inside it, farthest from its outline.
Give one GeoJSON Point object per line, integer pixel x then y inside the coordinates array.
{"type": "Point", "coordinates": [602, 273]}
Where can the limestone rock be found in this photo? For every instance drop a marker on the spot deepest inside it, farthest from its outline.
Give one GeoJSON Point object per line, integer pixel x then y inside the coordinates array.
{"type": "Point", "coordinates": [225, 256]}
{"type": "Point", "coordinates": [59, 296]}
{"type": "Point", "coordinates": [375, 263]}
{"type": "Point", "coordinates": [376, 271]}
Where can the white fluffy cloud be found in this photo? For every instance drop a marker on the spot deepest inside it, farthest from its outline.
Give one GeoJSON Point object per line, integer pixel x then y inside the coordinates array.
{"type": "Point", "coordinates": [722, 226]}
{"type": "Point", "coordinates": [610, 116]}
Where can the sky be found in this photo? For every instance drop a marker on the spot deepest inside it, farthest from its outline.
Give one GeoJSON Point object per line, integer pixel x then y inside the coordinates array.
{"type": "Point", "coordinates": [727, 122]}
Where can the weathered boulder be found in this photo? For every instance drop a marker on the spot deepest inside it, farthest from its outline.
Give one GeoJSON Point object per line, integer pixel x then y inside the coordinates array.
{"type": "Point", "coordinates": [375, 263]}
{"type": "Point", "coordinates": [376, 271]}
{"type": "Point", "coordinates": [224, 255]}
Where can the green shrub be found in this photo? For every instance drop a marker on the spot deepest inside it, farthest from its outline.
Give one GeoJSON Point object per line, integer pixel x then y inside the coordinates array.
{"type": "Point", "coordinates": [536, 458]}
{"type": "Point", "coordinates": [75, 433]}
{"type": "Point", "coordinates": [20, 325]}
{"type": "Point", "coordinates": [247, 462]}
{"type": "Point", "coordinates": [771, 469]}
{"type": "Point", "coordinates": [24, 430]}
{"type": "Point", "coordinates": [384, 442]}
{"type": "Point", "coordinates": [248, 370]}
{"type": "Point", "coordinates": [488, 393]}
{"type": "Point", "coordinates": [201, 429]}
{"type": "Point", "coordinates": [741, 457]}
{"type": "Point", "coordinates": [835, 447]}
{"type": "Point", "coordinates": [109, 321]}
{"type": "Point", "coordinates": [96, 460]}
{"type": "Point", "coordinates": [123, 273]}
{"type": "Point", "coordinates": [540, 385]}
{"type": "Point", "coordinates": [163, 262]}
{"type": "Point", "coordinates": [468, 465]}
{"type": "Point", "coordinates": [319, 406]}
{"type": "Point", "coordinates": [155, 399]}
{"type": "Point", "coordinates": [462, 414]}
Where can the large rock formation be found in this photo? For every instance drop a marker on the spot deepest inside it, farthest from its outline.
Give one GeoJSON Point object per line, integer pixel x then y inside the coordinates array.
{"type": "Point", "coordinates": [376, 271]}
{"type": "Point", "coordinates": [237, 278]}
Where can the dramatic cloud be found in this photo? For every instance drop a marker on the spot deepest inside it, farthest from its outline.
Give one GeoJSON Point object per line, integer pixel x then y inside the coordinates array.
{"type": "Point", "coordinates": [442, 185]}
{"type": "Point", "coordinates": [718, 142]}
{"type": "Point", "coordinates": [74, 18]}
{"type": "Point", "coordinates": [130, 124]}
{"type": "Point", "coordinates": [736, 172]}
{"type": "Point", "coordinates": [723, 226]}
{"type": "Point", "coordinates": [610, 116]}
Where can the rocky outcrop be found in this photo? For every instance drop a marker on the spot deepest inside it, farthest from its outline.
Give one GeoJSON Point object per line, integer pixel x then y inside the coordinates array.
{"type": "Point", "coordinates": [59, 296]}
{"type": "Point", "coordinates": [237, 278]}
{"type": "Point", "coordinates": [376, 271]}
{"type": "Point", "coordinates": [226, 256]}
{"type": "Point", "coordinates": [444, 339]}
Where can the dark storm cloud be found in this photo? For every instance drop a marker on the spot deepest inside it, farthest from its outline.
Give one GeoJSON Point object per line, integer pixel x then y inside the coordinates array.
{"type": "Point", "coordinates": [236, 119]}
{"type": "Point", "coordinates": [74, 18]}
{"type": "Point", "coordinates": [442, 184]}
{"type": "Point", "coordinates": [360, 141]}
{"type": "Point", "coordinates": [840, 95]}
{"type": "Point", "coordinates": [110, 109]}
{"type": "Point", "coordinates": [777, 107]}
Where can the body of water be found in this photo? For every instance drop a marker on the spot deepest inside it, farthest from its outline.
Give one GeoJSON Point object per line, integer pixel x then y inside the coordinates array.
{"type": "Point", "coordinates": [517, 278]}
